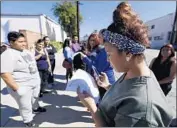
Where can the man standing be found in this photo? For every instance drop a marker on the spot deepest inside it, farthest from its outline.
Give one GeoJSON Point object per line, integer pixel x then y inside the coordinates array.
{"type": "Point", "coordinates": [51, 51]}
{"type": "Point", "coordinates": [19, 72]}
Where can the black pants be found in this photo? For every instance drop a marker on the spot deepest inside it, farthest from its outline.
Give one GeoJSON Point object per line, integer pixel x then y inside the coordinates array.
{"type": "Point", "coordinates": [69, 73]}
{"type": "Point", "coordinates": [166, 88]}
{"type": "Point", "coordinates": [44, 74]}
{"type": "Point", "coordinates": [51, 77]}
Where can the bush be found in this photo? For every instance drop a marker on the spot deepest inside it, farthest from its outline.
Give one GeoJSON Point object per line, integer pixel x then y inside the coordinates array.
{"type": "Point", "coordinates": [57, 45]}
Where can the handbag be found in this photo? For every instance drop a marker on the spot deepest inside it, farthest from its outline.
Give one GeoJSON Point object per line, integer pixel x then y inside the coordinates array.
{"type": "Point", "coordinates": [66, 64]}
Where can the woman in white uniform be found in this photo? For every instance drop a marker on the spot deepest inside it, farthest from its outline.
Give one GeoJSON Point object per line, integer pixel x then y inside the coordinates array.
{"type": "Point", "coordinates": [19, 71]}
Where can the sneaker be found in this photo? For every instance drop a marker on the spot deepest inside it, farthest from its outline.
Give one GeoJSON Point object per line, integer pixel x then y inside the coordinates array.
{"type": "Point", "coordinates": [40, 109]}
{"type": "Point", "coordinates": [30, 124]}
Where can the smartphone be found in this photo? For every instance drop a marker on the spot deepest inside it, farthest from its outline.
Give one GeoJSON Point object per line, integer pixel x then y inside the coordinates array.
{"type": "Point", "coordinates": [95, 73]}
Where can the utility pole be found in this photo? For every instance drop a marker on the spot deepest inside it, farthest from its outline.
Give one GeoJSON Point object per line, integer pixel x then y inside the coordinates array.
{"type": "Point", "coordinates": [78, 30]}
{"type": "Point", "coordinates": [174, 31]}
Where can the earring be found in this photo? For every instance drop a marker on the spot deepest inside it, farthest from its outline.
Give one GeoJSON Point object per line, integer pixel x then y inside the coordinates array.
{"type": "Point", "coordinates": [127, 59]}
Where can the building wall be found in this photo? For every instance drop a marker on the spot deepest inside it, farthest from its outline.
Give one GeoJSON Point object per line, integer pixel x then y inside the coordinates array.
{"type": "Point", "coordinates": [38, 24]}
{"type": "Point", "coordinates": [15, 23]}
{"type": "Point", "coordinates": [160, 34]}
{"type": "Point", "coordinates": [31, 38]}
{"type": "Point", "coordinates": [51, 29]}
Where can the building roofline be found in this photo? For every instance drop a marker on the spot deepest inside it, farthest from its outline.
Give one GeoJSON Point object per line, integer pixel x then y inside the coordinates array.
{"type": "Point", "coordinates": [50, 19]}
{"type": "Point", "coordinates": [11, 14]}
{"type": "Point", "coordinates": [160, 17]}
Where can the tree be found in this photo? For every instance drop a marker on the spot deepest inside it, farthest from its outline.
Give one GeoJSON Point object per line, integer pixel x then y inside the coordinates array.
{"type": "Point", "coordinates": [95, 31]}
{"type": "Point", "coordinates": [67, 16]}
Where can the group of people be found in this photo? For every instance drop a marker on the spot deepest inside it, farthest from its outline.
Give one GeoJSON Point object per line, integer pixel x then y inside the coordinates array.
{"type": "Point", "coordinates": [93, 55]}
{"type": "Point", "coordinates": [45, 58]}
{"type": "Point", "coordinates": [137, 98]}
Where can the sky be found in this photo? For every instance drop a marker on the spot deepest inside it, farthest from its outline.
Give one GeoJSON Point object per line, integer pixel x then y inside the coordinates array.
{"type": "Point", "coordinates": [96, 14]}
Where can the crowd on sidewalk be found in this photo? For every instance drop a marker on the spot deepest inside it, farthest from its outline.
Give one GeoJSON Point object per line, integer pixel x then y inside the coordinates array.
{"type": "Point", "coordinates": [137, 98]}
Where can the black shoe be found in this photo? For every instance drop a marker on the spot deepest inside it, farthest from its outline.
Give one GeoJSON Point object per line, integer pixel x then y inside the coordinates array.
{"type": "Point", "coordinates": [40, 109]}
{"type": "Point", "coordinates": [45, 92]}
{"type": "Point", "coordinates": [41, 95]}
{"type": "Point", "coordinates": [30, 124]}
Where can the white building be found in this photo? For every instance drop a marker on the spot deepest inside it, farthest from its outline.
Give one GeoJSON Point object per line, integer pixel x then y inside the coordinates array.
{"type": "Point", "coordinates": [36, 23]}
{"type": "Point", "coordinates": [160, 30]}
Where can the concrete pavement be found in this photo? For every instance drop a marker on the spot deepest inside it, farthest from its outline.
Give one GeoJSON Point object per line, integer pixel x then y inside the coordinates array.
{"type": "Point", "coordinates": [63, 108]}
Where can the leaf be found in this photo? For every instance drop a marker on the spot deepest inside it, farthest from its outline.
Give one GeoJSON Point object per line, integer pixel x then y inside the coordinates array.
{"type": "Point", "coordinates": [66, 12]}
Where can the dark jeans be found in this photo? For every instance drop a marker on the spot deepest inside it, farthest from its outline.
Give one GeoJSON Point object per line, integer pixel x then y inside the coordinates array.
{"type": "Point", "coordinates": [44, 74]}
{"type": "Point", "coordinates": [166, 88]}
{"type": "Point", "coordinates": [51, 77]}
{"type": "Point", "coordinates": [69, 73]}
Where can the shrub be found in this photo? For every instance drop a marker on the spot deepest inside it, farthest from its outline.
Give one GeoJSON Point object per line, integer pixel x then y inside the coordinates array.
{"type": "Point", "coordinates": [57, 45]}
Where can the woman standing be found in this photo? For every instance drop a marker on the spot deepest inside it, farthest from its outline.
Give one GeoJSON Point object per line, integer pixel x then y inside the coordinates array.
{"type": "Point", "coordinates": [97, 58]}
{"type": "Point", "coordinates": [43, 64]}
{"type": "Point", "coordinates": [51, 51]}
{"type": "Point", "coordinates": [68, 54]}
{"type": "Point", "coordinates": [136, 98]}
{"type": "Point", "coordinates": [164, 67]}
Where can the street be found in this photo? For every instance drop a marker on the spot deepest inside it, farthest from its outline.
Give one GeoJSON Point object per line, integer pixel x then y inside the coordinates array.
{"type": "Point", "coordinates": [63, 108]}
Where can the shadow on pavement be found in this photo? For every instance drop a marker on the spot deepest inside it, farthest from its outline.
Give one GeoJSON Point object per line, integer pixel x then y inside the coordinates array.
{"type": "Point", "coordinates": [59, 86]}
{"type": "Point", "coordinates": [61, 100]}
{"type": "Point", "coordinates": [4, 91]}
{"type": "Point", "coordinates": [61, 77]}
{"type": "Point", "coordinates": [6, 113]}
{"type": "Point", "coordinates": [59, 110]}
{"type": "Point", "coordinates": [61, 116]}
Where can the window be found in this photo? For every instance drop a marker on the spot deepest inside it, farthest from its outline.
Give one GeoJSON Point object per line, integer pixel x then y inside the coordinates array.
{"type": "Point", "coordinates": [153, 26]}
{"type": "Point", "coordinates": [157, 38]}
{"type": "Point", "coordinates": [169, 35]}
{"type": "Point", "coordinates": [150, 38]}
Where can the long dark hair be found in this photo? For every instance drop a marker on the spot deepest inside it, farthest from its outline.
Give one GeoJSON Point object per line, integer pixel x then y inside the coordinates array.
{"type": "Point", "coordinates": [78, 63]}
{"type": "Point", "coordinates": [66, 44]}
{"type": "Point", "coordinates": [159, 57]}
{"type": "Point", "coordinates": [44, 38]}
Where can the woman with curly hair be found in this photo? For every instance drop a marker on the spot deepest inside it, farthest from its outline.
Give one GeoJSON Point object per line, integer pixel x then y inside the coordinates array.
{"type": "Point", "coordinates": [136, 99]}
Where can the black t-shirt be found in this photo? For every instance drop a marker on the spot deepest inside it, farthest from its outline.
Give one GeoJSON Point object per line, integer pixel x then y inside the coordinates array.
{"type": "Point", "coordinates": [161, 70]}
{"type": "Point", "coordinates": [51, 51]}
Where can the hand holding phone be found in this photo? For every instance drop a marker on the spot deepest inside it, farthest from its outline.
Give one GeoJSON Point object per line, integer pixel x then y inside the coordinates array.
{"type": "Point", "coordinates": [103, 81]}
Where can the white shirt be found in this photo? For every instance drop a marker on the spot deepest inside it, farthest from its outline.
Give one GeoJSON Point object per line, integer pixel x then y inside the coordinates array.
{"type": "Point", "coordinates": [86, 83]}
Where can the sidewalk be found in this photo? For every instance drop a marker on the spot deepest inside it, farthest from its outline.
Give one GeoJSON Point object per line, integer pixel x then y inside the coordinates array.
{"type": "Point", "coordinates": [63, 108]}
